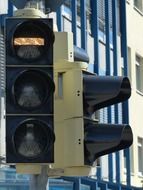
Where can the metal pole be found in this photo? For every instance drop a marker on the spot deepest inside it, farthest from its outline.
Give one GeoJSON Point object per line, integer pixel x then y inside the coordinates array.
{"type": "Point", "coordinates": [37, 4]}
{"type": "Point", "coordinates": [40, 182]}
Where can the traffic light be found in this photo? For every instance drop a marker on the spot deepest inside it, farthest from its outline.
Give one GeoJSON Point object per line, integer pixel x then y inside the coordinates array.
{"type": "Point", "coordinates": [29, 90]}
{"type": "Point", "coordinates": [102, 139]}
{"type": "Point", "coordinates": [80, 139]}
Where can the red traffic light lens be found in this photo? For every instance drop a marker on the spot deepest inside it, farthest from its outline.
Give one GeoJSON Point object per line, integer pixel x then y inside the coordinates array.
{"type": "Point", "coordinates": [31, 39]}
{"type": "Point", "coordinates": [29, 51]}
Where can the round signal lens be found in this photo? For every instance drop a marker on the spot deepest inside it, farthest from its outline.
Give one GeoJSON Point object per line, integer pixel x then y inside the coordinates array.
{"type": "Point", "coordinates": [33, 138]}
{"type": "Point", "coordinates": [32, 89]}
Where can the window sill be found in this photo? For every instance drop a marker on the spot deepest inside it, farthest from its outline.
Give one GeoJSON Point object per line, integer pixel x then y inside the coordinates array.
{"type": "Point", "coordinates": [125, 172]}
{"type": "Point", "coordinates": [140, 174]}
{"type": "Point", "coordinates": [139, 11]}
{"type": "Point", "coordinates": [139, 92]}
{"type": "Point", "coordinates": [132, 174]}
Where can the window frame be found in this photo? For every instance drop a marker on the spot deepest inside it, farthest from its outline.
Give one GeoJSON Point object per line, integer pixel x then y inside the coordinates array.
{"type": "Point", "coordinates": [137, 8]}
{"type": "Point", "coordinates": [140, 145]}
{"type": "Point", "coordinates": [139, 76]}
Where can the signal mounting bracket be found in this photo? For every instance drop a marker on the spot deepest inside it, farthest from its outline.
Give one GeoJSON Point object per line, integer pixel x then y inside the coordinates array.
{"type": "Point", "coordinates": [48, 5]}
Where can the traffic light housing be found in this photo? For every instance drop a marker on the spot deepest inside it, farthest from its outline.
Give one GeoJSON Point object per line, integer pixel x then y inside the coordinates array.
{"type": "Point", "coordinates": [29, 90]}
{"type": "Point", "coordinates": [80, 139]}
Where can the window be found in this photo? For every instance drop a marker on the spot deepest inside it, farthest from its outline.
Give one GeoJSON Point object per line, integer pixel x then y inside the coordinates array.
{"type": "Point", "coordinates": [68, 8]}
{"type": "Point", "coordinates": [122, 67]}
{"type": "Point", "coordinates": [139, 5]}
{"type": "Point", "coordinates": [68, 3]}
{"type": "Point", "coordinates": [140, 156]}
{"type": "Point", "coordinates": [139, 73]}
{"type": "Point", "coordinates": [129, 64]}
{"type": "Point", "coordinates": [125, 160]}
{"type": "Point", "coordinates": [131, 160]}
{"type": "Point", "coordinates": [101, 14]}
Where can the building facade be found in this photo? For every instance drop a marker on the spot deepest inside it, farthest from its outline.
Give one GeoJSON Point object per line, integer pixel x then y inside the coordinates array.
{"type": "Point", "coordinates": [135, 68]}
{"type": "Point", "coordinates": [99, 27]}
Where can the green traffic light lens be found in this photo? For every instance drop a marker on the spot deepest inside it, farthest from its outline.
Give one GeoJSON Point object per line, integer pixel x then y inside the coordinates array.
{"type": "Point", "coordinates": [33, 138]}
{"type": "Point", "coordinates": [32, 89]}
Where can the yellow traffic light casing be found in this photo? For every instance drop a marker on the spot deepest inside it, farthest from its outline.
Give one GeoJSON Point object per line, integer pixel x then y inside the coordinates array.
{"type": "Point", "coordinates": [68, 122]}
{"type": "Point", "coordinates": [68, 114]}
{"type": "Point", "coordinates": [80, 140]}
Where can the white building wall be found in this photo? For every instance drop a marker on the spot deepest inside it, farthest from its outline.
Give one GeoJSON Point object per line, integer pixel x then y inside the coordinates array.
{"type": "Point", "coordinates": [3, 10]}
{"type": "Point", "coordinates": [2, 130]}
{"type": "Point", "coordinates": [135, 44]}
{"type": "Point", "coordinates": [3, 6]}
